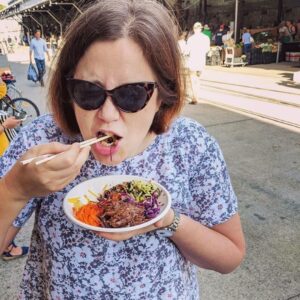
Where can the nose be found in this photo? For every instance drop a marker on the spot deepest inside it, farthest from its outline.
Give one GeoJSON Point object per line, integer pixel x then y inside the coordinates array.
{"type": "Point", "coordinates": [108, 112]}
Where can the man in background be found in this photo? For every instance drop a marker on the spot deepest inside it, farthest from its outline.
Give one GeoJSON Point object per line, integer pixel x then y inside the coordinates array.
{"type": "Point", "coordinates": [218, 36]}
{"type": "Point", "coordinates": [207, 31]}
{"type": "Point", "coordinates": [38, 47]}
{"type": "Point", "coordinates": [198, 46]}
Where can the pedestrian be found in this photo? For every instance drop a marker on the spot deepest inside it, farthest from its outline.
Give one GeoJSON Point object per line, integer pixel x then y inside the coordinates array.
{"type": "Point", "coordinates": [123, 79]}
{"type": "Point", "coordinates": [38, 47]}
{"type": "Point", "coordinates": [291, 29]}
{"type": "Point", "coordinates": [218, 36]}
{"type": "Point", "coordinates": [7, 132]}
{"type": "Point", "coordinates": [199, 45]}
{"type": "Point", "coordinates": [53, 44]}
{"type": "Point", "coordinates": [182, 43]}
{"type": "Point", "coordinates": [207, 31]}
{"type": "Point", "coordinates": [219, 42]}
{"type": "Point", "coordinates": [184, 51]}
{"type": "Point", "coordinates": [247, 43]}
{"type": "Point", "coordinates": [283, 32]}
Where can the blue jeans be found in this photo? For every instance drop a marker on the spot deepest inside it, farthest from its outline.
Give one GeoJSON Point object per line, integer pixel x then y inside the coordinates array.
{"type": "Point", "coordinates": [247, 51]}
{"type": "Point", "coordinates": [41, 66]}
{"type": "Point", "coordinates": [247, 48]}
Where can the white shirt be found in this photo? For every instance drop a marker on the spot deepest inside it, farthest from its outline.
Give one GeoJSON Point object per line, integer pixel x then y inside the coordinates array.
{"type": "Point", "coordinates": [199, 45]}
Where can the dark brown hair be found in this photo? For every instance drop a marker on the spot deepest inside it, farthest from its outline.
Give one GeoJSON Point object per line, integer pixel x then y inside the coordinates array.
{"type": "Point", "coordinates": [147, 23]}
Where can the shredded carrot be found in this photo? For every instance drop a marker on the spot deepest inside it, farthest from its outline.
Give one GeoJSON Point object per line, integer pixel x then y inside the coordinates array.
{"type": "Point", "coordinates": [89, 214]}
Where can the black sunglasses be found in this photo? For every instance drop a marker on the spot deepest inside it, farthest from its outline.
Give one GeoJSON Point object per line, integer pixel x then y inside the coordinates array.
{"type": "Point", "coordinates": [130, 97]}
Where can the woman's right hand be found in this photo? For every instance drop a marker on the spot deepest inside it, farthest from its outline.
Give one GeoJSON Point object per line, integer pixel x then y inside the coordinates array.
{"type": "Point", "coordinates": [31, 180]}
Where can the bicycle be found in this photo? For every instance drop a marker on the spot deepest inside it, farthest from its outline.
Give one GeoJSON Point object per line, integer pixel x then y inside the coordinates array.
{"type": "Point", "coordinates": [21, 108]}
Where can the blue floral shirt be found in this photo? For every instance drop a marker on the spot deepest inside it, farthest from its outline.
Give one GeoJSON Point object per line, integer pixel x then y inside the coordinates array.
{"type": "Point", "coordinates": [68, 262]}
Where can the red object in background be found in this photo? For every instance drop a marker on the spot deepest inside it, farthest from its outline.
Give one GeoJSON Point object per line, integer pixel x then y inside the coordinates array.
{"type": "Point", "coordinates": [7, 77]}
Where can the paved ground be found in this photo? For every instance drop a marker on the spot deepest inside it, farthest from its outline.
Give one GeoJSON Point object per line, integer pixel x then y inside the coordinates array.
{"type": "Point", "coordinates": [264, 163]}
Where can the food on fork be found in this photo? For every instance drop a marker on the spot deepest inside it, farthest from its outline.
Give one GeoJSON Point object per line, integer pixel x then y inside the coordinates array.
{"type": "Point", "coordinates": [111, 141]}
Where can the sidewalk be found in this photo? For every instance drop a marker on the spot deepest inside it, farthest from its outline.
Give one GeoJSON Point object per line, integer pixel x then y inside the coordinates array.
{"type": "Point", "coordinates": [267, 92]}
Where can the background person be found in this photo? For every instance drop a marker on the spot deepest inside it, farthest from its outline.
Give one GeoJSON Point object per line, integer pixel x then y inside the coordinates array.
{"type": "Point", "coordinates": [131, 48]}
{"type": "Point", "coordinates": [199, 45]}
{"type": "Point", "coordinates": [7, 125]}
{"type": "Point", "coordinates": [283, 32]}
{"type": "Point", "coordinates": [247, 43]}
{"type": "Point", "coordinates": [207, 31]}
{"type": "Point", "coordinates": [38, 47]}
{"type": "Point", "coordinates": [292, 29]}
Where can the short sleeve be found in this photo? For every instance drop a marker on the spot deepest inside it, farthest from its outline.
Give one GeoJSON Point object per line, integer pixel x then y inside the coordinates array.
{"type": "Point", "coordinates": [210, 185]}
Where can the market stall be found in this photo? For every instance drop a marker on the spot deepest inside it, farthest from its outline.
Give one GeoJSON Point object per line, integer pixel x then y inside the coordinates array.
{"type": "Point", "coordinates": [290, 52]}
{"type": "Point", "coordinates": [264, 53]}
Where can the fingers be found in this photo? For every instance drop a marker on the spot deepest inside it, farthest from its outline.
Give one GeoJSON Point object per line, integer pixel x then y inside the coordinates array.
{"type": "Point", "coordinates": [55, 174]}
{"type": "Point", "coordinates": [69, 164]}
{"type": "Point", "coordinates": [73, 158]}
{"type": "Point", "coordinates": [11, 122]}
{"type": "Point", "coordinates": [125, 235]}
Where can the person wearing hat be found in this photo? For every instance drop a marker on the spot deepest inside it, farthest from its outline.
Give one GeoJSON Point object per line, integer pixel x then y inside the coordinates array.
{"type": "Point", "coordinates": [198, 45]}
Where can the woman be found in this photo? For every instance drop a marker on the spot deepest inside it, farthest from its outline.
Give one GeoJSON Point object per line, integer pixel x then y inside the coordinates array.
{"type": "Point", "coordinates": [120, 63]}
{"type": "Point", "coordinates": [283, 32]}
{"type": "Point", "coordinates": [7, 124]}
{"type": "Point", "coordinates": [7, 133]}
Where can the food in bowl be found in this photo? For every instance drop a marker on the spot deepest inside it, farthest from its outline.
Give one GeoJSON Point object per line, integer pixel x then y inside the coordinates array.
{"type": "Point", "coordinates": [129, 203]}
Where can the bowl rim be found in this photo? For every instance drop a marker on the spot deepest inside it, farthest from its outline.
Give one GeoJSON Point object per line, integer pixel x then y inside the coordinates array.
{"type": "Point", "coordinates": [122, 178]}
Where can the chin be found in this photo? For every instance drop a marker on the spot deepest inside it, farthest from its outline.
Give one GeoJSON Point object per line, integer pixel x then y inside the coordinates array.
{"type": "Point", "coordinates": [107, 160]}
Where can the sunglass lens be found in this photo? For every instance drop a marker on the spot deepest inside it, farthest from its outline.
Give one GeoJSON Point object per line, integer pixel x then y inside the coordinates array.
{"type": "Point", "coordinates": [87, 95]}
{"type": "Point", "coordinates": [131, 98]}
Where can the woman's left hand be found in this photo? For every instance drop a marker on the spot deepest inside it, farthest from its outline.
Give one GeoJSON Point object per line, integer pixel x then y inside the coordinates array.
{"type": "Point", "coordinates": [122, 236]}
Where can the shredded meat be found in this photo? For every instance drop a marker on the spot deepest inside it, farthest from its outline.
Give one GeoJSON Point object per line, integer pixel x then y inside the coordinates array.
{"type": "Point", "coordinates": [122, 214]}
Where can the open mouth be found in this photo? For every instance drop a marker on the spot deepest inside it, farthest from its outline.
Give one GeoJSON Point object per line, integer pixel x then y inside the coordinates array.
{"type": "Point", "coordinates": [109, 142]}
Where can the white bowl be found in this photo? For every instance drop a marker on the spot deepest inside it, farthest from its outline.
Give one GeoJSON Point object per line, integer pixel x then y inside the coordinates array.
{"type": "Point", "coordinates": [97, 185]}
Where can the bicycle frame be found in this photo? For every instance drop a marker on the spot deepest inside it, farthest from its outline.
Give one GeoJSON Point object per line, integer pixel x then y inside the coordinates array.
{"type": "Point", "coordinates": [19, 114]}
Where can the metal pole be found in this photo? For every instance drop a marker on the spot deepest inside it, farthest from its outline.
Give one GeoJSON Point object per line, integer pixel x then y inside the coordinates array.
{"type": "Point", "coordinates": [20, 21]}
{"type": "Point", "coordinates": [78, 9]}
{"type": "Point", "coordinates": [278, 51]}
{"type": "Point", "coordinates": [42, 28]}
{"type": "Point", "coordinates": [49, 13]}
{"type": "Point", "coordinates": [236, 20]}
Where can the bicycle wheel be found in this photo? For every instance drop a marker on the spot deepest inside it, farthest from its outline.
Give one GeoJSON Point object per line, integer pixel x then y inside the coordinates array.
{"type": "Point", "coordinates": [23, 108]}
{"type": "Point", "coordinates": [13, 92]}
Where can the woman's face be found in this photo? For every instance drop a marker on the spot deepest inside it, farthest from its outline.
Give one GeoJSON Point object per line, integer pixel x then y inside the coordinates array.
{"type": "Point", "coordinates": [111, 64]}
